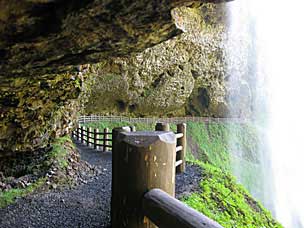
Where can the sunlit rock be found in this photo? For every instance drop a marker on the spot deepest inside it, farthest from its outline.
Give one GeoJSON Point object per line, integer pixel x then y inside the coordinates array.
{"type": "Point", "coordinates": [187, 75]}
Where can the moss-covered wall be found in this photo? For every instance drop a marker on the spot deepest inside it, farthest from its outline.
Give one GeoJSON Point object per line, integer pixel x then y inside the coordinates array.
{"type": "Point", "coordinates": [39, 37]}
{"type": "Point", "coordinates": [187, 75]}
{"type": "Point", "coordinates": [34, 110]}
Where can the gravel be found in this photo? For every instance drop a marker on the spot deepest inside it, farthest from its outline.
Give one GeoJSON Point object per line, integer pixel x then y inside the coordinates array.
{"type": "Point", "coordinates": [86, 205]}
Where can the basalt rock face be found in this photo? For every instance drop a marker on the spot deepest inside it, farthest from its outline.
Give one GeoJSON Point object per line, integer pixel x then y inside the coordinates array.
{"type": "Point", "coordinates": [194, 73]}
{"type": "Point", "coordinates": [43, 44]}
{"type": "Point", "coordinates": [33, 111]}
{"type": "Point", "coordinates": [41, 40]}
{"type": "Point", "coordinates": [42, 36]}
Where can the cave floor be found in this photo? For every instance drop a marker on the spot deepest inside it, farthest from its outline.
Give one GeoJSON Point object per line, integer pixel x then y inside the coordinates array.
{"type": "Point", "coordinates": [86, 205]}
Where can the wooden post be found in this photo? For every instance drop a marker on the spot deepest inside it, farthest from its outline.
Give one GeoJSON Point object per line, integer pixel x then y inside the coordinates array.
{"type": "Point", "coordinates": [105, 139]}
{"type": "Point", "coordinates": [181, 155]}
{"type": "Point", "coordinates": [142, 161]}
{"type": "Point", "coordinates": [166, 211]}
{"type": "Point", "coordinates": [162, 127]}
{"type": "Point", "coordinates": [77, 132]}
{"type": "Point", "coordinates": [95, 137]}
{"type": "Point", "coordinates": [88, 136]}
{"type": "Point", "coordinates": [115, 152]}
{"type": "Point", "coordinates": [82, 134]}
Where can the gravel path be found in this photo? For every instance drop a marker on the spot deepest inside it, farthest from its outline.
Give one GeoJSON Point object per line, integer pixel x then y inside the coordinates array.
{"type": "Point", "coordinates": [87, 205]}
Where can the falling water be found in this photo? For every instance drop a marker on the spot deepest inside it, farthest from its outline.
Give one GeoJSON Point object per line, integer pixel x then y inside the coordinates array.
{"type": "Point", "coordinates": [279, 61]}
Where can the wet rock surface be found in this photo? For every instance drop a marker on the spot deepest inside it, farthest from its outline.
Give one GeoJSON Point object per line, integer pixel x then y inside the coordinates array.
{"type": "Point", "coordinates": [33, 33]}
{"type": "Point", "coordinates": [86, 205]}
{"type": "Point", "coordinates": [45, 44]}
{"type": "Point", "coordinates": [186, 75]}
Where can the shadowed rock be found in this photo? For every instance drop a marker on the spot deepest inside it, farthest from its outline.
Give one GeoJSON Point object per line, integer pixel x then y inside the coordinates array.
{"type": "Point", "coordinates": [42, 36]}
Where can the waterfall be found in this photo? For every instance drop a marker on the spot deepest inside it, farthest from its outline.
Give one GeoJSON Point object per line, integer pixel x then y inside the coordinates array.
{"type": "Point", "coordinates": [276, 32]}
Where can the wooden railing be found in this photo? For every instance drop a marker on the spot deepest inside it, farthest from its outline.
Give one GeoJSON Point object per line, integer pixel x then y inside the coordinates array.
{"type": "Point", "coordinates": [103, 140]}
{"type": "Point", "coordinates": [153, 120]}
{"type": "Point", "coordinates": [143, 182]}
{"type": "Point", "coordinates": [166, 211]}
{"type": "Point", "coordinates": [181, 143]}
{"type": "Point", "coordinates": [93, 138]}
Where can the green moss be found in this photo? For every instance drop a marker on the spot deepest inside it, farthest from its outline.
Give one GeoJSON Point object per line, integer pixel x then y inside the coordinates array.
{"type": "Point", "coordinates": [212, 140]}
{"type": "Point", "coordinates": [229, 145]}
{"type": "Point", "coordinates": [59, 153]}
{"type": "Point", "coordinates": [10, 196]}
{"type": "Point", "coordinates": [227, 202]}
{"type": "Point", "coordinates": [57, 156]}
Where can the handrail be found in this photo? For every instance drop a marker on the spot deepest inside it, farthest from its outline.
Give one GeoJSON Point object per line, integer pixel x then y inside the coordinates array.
{"type": "Point", "coordinates": [179, 135]}
{"type": "Point", "coordinates": [178, 163]}
{"type": "Point", "coordinates": [92, 138]}
{"type": "Point", "coordinates": [179, 148]}
{"type": "Point", "coordinates": [166, 211]}
{"type": "Point", "coordinates": [153, 120]}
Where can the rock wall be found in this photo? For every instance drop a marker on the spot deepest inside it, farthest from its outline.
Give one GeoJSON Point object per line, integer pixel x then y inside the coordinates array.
{"type": "Point", "coordinates": [41, 40]}
{"type": "Point", "coordinates": [194, 73]}
{"type": "Point", "coordinates": [38, 101]}
{"type": "Point", "coordinates": [39, 37]}
{"type": "Point", "coordinates": [33, 111]}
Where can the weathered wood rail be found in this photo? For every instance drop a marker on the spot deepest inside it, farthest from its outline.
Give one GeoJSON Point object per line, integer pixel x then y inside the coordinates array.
{"type": "Point", "coordinates": [181, 143]}
{"type": "Point", "coordinates": [94, 138]}
{"type": "Point", "coordinates": [166, 211]}
{"type": "Point", "coordinates": [103, 140]}
{"type": "Point", "coordinates": [143, 183]}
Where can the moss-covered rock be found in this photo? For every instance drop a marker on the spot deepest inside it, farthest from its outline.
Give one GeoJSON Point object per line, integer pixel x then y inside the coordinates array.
{"type": "Point", "coordinates": [23, 174]}
{"type": "Point", "coordinates": [39, 37]}
{"type": "Point", "coordinates": [35, 111]}
{"type": "Point", "coordinates": [38, 101]}
{"type": "Point", "coordinates": [188, 74]}
{"type": "Point", "coordinates": [184, 76]}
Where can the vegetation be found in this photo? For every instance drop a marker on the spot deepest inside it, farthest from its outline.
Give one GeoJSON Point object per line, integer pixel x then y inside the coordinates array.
{"type": "Point", "coordinates": [216, 140]}
{"type": "Point", "coordinates": [56, 157]}
{"type": "Point", "coordinates": [10, 196]}
{"type": "Point", "coordinates": [227, 202]}
{"type": "Point", "coordinates": [59, 153]}
{"type": "Point", "coordinates": [231, 147]}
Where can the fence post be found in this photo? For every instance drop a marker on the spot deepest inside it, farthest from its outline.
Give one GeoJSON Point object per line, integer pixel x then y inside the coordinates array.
{"type": "Point", "coordinates": [88, 136]}
{"type": "Point", "coordinates": [142, 161]}
{"type": "Point", "coordinates": [95, 137]}
{"type": "Point", "coordinates": [181, 155]}
{"type": "Point", "coordinates": [105, 139]}
{"type": "Point", "coordinates": [162, 127]}
{"type": "Point", "coordinates": [82, 134]}
{"type": "Point", "coordinates": [77, 132]}
{"type": "Point", "coordinates": [115, 181]}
